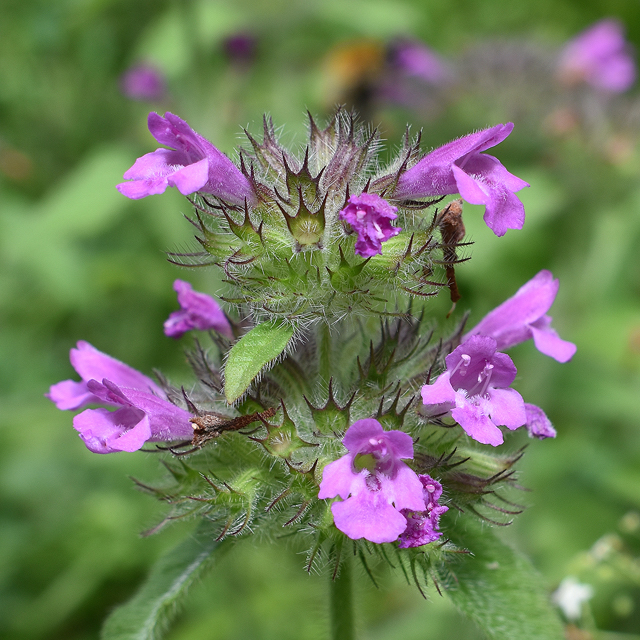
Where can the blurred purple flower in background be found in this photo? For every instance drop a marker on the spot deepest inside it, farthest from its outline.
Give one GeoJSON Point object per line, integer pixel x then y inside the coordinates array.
{"type": "Point", "coordinates": [143, 82]}
{"type": "Point", "coordinates": [197, 311]}
{"type": "Point", "coordinates": [193, 164]}
{"type": "Point", "coordinates": [460, 167]}
{"type": "Point", "coordinates": [240, 47]}
{"type": "Point", "coordinates": [414, 58]}
{"type": "Point", "coordinates": [370, 216]}
{"type": "Point", "coordinates": [373, 482]}
{"type": "Point", "coordinates": [599, 56]}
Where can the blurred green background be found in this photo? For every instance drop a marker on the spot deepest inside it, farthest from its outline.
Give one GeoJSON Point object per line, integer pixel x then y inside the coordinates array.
{"type": "Point", "coordinates": [79, 261]}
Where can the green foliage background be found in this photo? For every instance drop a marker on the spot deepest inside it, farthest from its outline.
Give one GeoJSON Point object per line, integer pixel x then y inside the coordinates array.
{"type": "Point", "coordinates": [79, 261]}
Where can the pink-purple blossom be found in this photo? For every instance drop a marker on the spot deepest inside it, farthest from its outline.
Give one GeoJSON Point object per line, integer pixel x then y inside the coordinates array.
{"type": "Point", "coordinates": [143, 412]}
{"type": "Point", "coordinates": [422, 526]}
{"type": "Point", "coordinates": [414, 58]}
{"type": "Point", "coordinates": [475, 389]}
{"type": "Point", "coordinates": [370, 216]}
{"type": "Point", "coordinates": [143, 82]}
{"type": "Point", "coordinates": [197, 311]}
{"type": "Point", "coordinates": [192, 164]}
{"type": "Point", "coordinates": [599, 56]}
{"type": "Point", "coordinates": [538, 425]}
{"type": "Point", "coordinates": [373, 482]}
{"type": "Point", "coordinates": [523, 316]}
{"type": "Point", "coordinates": [461, 167]}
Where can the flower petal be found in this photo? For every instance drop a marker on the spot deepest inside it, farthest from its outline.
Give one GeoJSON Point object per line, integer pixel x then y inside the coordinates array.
{"type": "Point", "coordinates": [507, 408]}
{"type": "Point", "coordinates": [547, 341]}
{"type": "Point", "coordinates": [368, 515]}
{"type": "Point", "coordinates": [191, 178]}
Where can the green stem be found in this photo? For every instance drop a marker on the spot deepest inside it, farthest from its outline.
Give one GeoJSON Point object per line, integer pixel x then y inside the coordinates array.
{"type": "Point", "coordinates": [341, 604]}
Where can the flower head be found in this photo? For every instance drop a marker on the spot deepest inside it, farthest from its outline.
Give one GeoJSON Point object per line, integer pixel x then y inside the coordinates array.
{"type": "Point", "coordinates": [523, 316]}
{"type": "Point", "coordinates": [422, 526]}
{"type": "Point", "coordinates": [143, 412]}
{"type": "Point", "coordinates": [599, 56]}
{"type": "Point", "coordinates": [192, 164]}
{"type": "Point", "coordinates": [475, 390]}
{"type": "Point", "coordinates": [143, 82]}
{"type": "Point", "coordinates": [370, 216]}
{"type": "Point", "coordinates": [373, 482]}
{"type": "Point", "coordinates": [460, 167]}
{"type": "Point", "coordinates": [197, 311]}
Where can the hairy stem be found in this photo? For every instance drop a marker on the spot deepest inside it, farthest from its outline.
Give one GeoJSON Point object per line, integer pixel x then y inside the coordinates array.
{"type": "Point", "coordinates": [341, 603]}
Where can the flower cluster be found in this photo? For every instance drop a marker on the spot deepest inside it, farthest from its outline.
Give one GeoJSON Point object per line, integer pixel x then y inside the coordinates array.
{"type": "Point", "coordinates": [313, 252]}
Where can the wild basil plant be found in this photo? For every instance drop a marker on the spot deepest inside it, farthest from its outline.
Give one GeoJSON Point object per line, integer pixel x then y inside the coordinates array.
{"type": "Point", "coordinates": [330, 409]}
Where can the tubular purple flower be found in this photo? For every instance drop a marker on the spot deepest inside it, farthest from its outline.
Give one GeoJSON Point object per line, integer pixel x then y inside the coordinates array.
{"type": "Point", "coordinates": [91, 364]}
{"type": "Point", "coordinates": [370, 216]}
{"type": "Point", "coordinates": [192, 164]}
{"type": "Point", "coordinates": [422, 526]}
{"type": "Point", "coordinates": [523, 316]}
{"type": "Point", "coordinates": [373, 482]}
{"type": "Point", "coordinates": [197, 311]}
{"type": "Point", "coordinates": [143, 412]}
{"type": "Point", "coordinates": [460, 167]}
{"type": "Point", "coordinates": [599, 56]}
{"type": "Point", "coordinates": [475, 390]}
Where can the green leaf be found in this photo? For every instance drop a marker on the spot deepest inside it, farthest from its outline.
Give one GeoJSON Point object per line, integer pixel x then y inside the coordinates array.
{"type": "Point", "coordinates": [148, 613]}
{"type": "Point", "coordinates": [251, 354]}
{"type": "Point", "coordinates": [499, 589]}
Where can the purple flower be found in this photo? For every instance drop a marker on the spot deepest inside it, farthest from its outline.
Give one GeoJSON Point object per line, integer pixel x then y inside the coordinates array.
{"type": "Point", "coordinates": [599, 56]}
{"type": "Point", "coordinates": [416, 59]}
{"type": "Point", "coordinates": [240, 47]}
{"type": "Point", "coordinates": [197, 311]}
{"type": "Point", "coordinates": [143, 412]}
{"type": "Point", "coordinates": [538, 425]}
{"type": "Point", "coordinates": [523, 316]}
{"type": "Point", "coordinates": [370, 216]}
{"type": "Point", "coordinates": [475, 389]}
{"type": "Point", "coordinates": [192, 164]}
{"type": "Point", "coordinates": [373, 482]}
{"type": "Point", "coordinates": [460, 167]}
{"type": "Point", "coordinates": [422, 526]}
{"type": "Point", "coordinates": [143, 82]}
{"type": "Point", "coordinates": [91, 364]}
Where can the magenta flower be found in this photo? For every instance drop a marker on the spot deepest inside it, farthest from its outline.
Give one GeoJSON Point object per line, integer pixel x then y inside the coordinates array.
{"type": "Point", "coordinates": [599, 56]}
{"type": "Point", "coordinates": [538, 425]}
{"type": "Point", "coordinates": [460, 167]}
{"type": "Point", "coordinates": [414, 58]}
{"type": "Point", "coordinates": [422, 526]}
{"type": "Point", "coordinates": [143, 82]}
{"type": "Point", "coordinates": [373, 482]}
{"type": "Point", "coordinates": [475, 390]}
{"type": "Point", "coordinates": [192, 164]}
{"type": "Point", "coordinates": [523, 316]}
{"type": "Point", "coordinates": [143, 412]}
{"type": "Point", "coordinates": [91, 364]}
{"type": "Point", "coordinates": [197, 311]}
{"type": "Point", "coordinates": [370, 216]}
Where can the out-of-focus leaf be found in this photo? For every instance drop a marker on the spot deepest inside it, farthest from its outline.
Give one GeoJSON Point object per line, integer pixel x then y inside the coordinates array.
{"type": "Point", "coordinates": [499, 589]}
{"type": "Point", "coordinates": [151, 609]}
